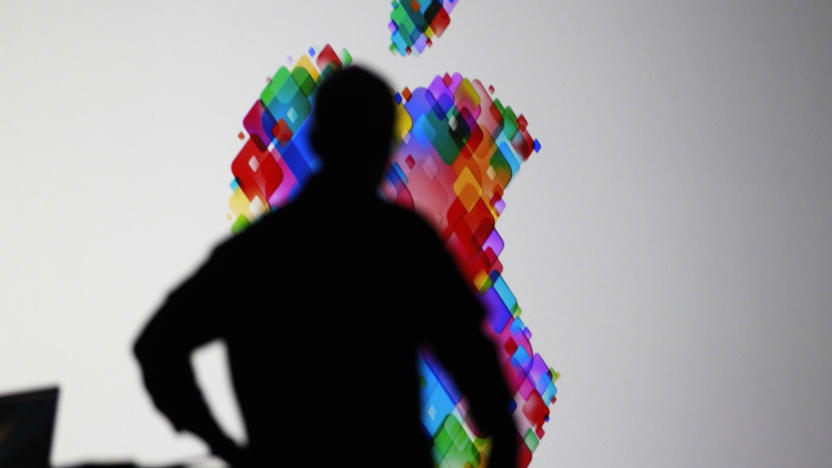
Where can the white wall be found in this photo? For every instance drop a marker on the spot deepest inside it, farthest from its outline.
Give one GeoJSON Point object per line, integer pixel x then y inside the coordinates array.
{"type": "Point", "coordinates": [669, 245]}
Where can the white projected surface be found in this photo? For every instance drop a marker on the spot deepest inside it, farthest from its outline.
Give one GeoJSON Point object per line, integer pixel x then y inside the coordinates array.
{"type": "Point", "coordinates": [669, 245]}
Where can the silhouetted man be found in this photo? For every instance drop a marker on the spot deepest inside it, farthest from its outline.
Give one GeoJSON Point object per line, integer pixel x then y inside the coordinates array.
{"type": "Point", "coordinates": [322, 305]}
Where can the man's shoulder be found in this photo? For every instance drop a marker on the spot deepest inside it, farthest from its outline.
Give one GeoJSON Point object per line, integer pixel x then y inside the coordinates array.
{"type": "Point", "coordinates": [408, 219]}
{"type": "Point", "coordinates": [301, 217]}
{"type": "Point", "coordinates": [266, 229]}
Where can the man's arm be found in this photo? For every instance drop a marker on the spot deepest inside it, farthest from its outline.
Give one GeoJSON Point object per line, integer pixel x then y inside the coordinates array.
{"type": "Point", "coordinates": [190, 317]}
{"type": "Point", "coordinates": [471, 358]}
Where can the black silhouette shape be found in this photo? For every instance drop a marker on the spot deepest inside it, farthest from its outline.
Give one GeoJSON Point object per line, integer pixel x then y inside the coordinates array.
{"type": "Point", "coordinates": [322, 305]}
{"type": "Point", "coordinates": [26, 423]}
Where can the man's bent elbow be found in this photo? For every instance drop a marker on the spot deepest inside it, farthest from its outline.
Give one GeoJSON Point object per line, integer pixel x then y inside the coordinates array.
{"type": "Point", "coordinates": [142, 349]}
{"type": "Point", "coordinates": [146, 346]}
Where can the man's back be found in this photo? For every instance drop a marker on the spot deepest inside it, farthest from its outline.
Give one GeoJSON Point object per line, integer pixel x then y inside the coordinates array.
{"type": "Point", "coordinates": [322, 305]}
{"type": "Point", "coordinates": [342, 292]}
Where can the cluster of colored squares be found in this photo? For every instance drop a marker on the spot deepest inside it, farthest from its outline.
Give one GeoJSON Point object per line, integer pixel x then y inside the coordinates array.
{"type": "Point", "coordinates": [414, 24]}
{"type": "Point", "coordinates": [457, 150]}
{"type": "Point", "coordinates": [276, 159]}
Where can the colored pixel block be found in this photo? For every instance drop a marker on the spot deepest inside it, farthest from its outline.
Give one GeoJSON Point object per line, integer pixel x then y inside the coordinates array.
{"type": "Point", "coordinates": [414, 24]}
{"type": "Point", "coordinates": [457, 152]}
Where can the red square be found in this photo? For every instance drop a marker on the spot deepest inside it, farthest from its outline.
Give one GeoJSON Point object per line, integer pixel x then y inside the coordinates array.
{"type": "Point", "coordinates": [454, 214]}
{"type": "Point", "coordinates": [510, 346]}
{"type": "Point", "coordinates": [282, 131]}
{"type": "Point", "coordinates": [257, 172]}
{"type": "Point", "coordinates": [535, 409]}
{"type": "Point", "coordinates": [524, 455]}
{"type": "Point", "coordinates": [446, 78]}
{"type": "Point", "coordinates": [328, 57]}
{"type": "Point", "coordinates": [440, 22]}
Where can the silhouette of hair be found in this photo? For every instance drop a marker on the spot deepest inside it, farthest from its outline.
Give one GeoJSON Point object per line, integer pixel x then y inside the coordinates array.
{"type": "Point", "coordinates": [352, 127]}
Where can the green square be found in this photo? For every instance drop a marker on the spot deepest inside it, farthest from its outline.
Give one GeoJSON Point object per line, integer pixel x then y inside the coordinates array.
{"type": "Point", "coordinates": [516, 311]}
{"type": "Point", "coordinates": [273, 88]}
{"type": "Point", "coordinates": [499, 106]}
{"type": "Point", "coordinates": [441, 442]}
{"type": "Point", "coordinates": [304, 80]}
{"type": "Point", "coordinates": [346, 58]}
{"type": "Point", "coordinates": [240, 224]}
{"type": "Point", "coordinates": [531, 440]}
{"type": "Point", "coordinates": [509, 123]}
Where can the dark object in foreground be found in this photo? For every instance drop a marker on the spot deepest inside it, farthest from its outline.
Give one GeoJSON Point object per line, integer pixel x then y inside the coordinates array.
{"type": "Point", "coordinates": [323, 305]}
{"type": "Point", "coordinates": [122, 465]}
{"type": "Point", "coordinates": [27, 421]}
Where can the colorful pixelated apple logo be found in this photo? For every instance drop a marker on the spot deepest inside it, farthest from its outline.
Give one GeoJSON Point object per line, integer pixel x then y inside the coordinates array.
{"type": "Point", "coordinates": [457, 151]}
{"type": "Point", "coordinates": [414, 25]}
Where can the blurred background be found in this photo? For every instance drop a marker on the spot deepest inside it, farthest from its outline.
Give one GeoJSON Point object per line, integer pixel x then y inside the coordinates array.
{"type": "Point", "coordinates": [669, 245]}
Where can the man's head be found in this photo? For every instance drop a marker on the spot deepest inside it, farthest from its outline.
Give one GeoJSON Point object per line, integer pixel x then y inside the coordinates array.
{"type": "Point", "coordinates": [353, 124]}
